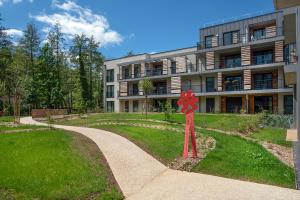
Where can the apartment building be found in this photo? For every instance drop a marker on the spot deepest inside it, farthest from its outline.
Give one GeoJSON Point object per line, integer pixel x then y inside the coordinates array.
{"type": "Point", "coordinates": [241, 66]}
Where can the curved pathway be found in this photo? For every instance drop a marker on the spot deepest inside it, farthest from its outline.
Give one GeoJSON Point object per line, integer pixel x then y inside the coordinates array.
{"type": "Point", "coordinates": [140, 176]}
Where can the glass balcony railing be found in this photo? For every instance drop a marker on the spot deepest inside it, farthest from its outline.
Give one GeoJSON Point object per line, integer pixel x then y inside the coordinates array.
{"type": "Point", "coordinates": [263, 84]}
{"type": "Point", "coordinates": [233, 86]}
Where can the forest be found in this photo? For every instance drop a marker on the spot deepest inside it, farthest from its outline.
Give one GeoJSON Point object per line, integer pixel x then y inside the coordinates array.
{"type": "Point", "coordinates": [49, 72]}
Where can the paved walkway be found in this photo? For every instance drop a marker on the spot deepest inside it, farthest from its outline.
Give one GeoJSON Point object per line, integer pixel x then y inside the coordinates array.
{"type": "Point", "coordinates": [140, 176]}
{"type": "Point", "coordinates": [296, 147]}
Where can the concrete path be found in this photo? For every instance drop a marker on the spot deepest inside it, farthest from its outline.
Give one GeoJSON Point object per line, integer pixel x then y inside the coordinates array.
{"type": "Point", "coordinates": [296, 147]}
{"type": "Point", "coordinates": [141, 177]}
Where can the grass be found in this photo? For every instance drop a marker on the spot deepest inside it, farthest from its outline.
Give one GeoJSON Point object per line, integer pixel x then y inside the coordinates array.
{"type": "Point", "coordinates": [53, 164]}
{"type": "Point", "coordinates": [273, 135]}
{"type": "Point", "coordinates": [6, 119]}
{"type": "Point", "coordinates": [19, 127]}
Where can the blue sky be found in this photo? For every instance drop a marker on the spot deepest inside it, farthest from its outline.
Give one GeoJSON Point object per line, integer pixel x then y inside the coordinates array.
{"type": "Point", "coordinates": [125, 25]}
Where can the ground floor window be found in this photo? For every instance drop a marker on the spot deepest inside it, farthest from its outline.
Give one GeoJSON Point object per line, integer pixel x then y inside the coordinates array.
{"type": "Point", "coordinates": [234, 104]}
{"type": "Point", "coordinates": [262, 103]}
{"type": "Point", "coordinates": [174, 104]}
{"type": "Point", "coordinates": [110, 106]}
{"type": "Point", "coordinates": [158, 104]}
{"type": "Point", "coordinates": [135, 106]}
{"type": "Point", "coordinates": [210, 105]}
{"type": "Point", "coordinates": [288, 104]}
{"type": "Point", "coordinates": [126, 107]}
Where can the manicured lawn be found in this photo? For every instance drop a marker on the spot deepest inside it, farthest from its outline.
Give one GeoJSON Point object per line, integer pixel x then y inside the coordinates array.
{"type": "Point", "coordinates": [53, 164]}
{"type": "Point", "coordinates": [235, 157]}
{"type": "Point", "coordinates": [6, 119]}
{"type": "Point", "coordinates": [19, 127]}
{"type": "Point", "coordinates": [274, 135]}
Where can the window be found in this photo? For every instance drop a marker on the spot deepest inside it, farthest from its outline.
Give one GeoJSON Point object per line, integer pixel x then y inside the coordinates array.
{"type": "Point", "coordinates": [110, 106]}
{"type": "Point", "coordinates": [230, 38]}
{"type": "Point", "coordinates": [263, 57]}
{"type": "Point", "coordinates": [233, 83]}
{"type": "Point", "coordinates": [208, 41]}
{"type": "Point", "coordinates": [232, 61]}
{"type": "Point", "coordinates": [137, 72]}
{"type": "Point", "coordinates": [263, 103]}
{"type": "Point", "coordinates": [135, 89]}
{"type": "Point", "coordinates": [210, 84]}
{"type": "Point", "coordinates": [210, 105]}
{"type": "Point", "coordinates": [135, 106]}
{"type": "Point", "coordinates": [173, 67]}
{"type": "Point", "coordinates": [126, 107]}
{"type": "Point", "coordinates": [263, 81]}
{"type": "Point", "coordinates": [110, 75]}
{"type": "Point", "coordinates": [234, 104]}
{"type": "Point", "coordinates": [127, 74]}
{"type": "Point", "coordinates": [259, 34]}
{"type": "Point", "coordinates": [110, 91]}
{"type": "Point", "coordinates": [174, 104]}
{"type": "Point", "coordinates": [288, 104]}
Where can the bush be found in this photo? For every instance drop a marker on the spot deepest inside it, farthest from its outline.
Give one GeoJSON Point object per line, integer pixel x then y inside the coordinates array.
{"type": "Point", "coordinates": [267, 119]}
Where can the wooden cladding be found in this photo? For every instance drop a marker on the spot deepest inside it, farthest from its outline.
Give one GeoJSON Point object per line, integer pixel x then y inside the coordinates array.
{"type": "Point", "coordinates": [180, 64]}
{"type": "Point", "coordinates": [210, 60]}
{"type": "Point", "coordinates": [251, 104]}
{"type": "Point", "coordinates": [246, 55]}
{"type": "Point", "coordinates": [247, 79]}
{"type": "Point", "coordinates": [271, 31]}
{"type": "Point", "coordinates": [175, 84]}
{"type": "Point", "coordinates": [275, 79]}
{"type": "Point", "coordinates": [214, 41]}
{"type": "Point", "coordinates": [142, 69]}
{"type": "Point", "coordinates": [223, 104]}
{"type": "Point", "coordinates": [275, 103]}
{"type": "Point", "coordinates": [166, 66]}
{"type": "Point", "coordinates": [123, 89]}
{"type": "Point", "coordinates": [279, 51]}
{"type": "Point", "coordinates": [220, 81]}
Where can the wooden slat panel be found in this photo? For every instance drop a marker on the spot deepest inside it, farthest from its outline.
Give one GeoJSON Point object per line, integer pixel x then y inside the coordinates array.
{"type": "Point", "coordinates": [165, 66]}
{"type": "Point", "coordinates": [246, 55]}
{"type": "Point", "coordinates": [123, 89]}
{"type": "Point", "coordinates": [214, 41]}
{"type": "Point", "coordinates": [235, 37]}
{"type": "Point", "coordinates": [275, 103]}
{"type": "Point", "coordinates": [223, 104]}
{"type": "Point", "coordinates": [142, 69]}
{"type": "Point", "coordinates": [180, 64]}
{"type": "Point", "coordinates": [271, 31]}
{"type": "Point", "coordinates": [279, 51]}
{"type": "Point", "coordinates": [175, 84]}
{"type": "Point", "coordinates": [251, 104]}
{"type": "Point", "coordinates": [247, 79]}
{"type": "Point", "coordinates": [220, 81]}
{"type": "Point", "coordinates": [210, 60]}
{"type": "Point", "coordinates": [275, 79]}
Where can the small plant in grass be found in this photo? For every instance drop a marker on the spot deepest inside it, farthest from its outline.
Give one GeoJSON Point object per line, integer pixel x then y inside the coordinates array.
{"type": "Point", "coordinates": [168, 111]}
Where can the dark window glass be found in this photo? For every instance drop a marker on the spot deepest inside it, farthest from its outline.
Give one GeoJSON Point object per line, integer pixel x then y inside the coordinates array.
{"type": "Point", "coordinates": [263, 81]}
{"type": "Point", "coordinates": [110, 75]}
{"type": "Point", "coordinates": [233, 83]}
{"type": "Point", "coordinates": [110, 91]}
{"type": "Point", "coordinates": [259, 34]}
{"type": "Point", "coordinates": [263, 57]}
{"type": "Point", "coordinates": [210, 105]}
{"type": "Point", "coordinates": [137, 71]}
{"type": "Point", "coordinates": [208, 41]}
{"type": "Point", "coordinates": [110, 106]}
{"type": "Point", "coordinates": [126, 73]}
{"type": "Point", "coordinates": [210, 84]}
{"type": "Point", "coordinates": [288, 104]}
{"type": "Point", "coordinates": [234, 104]}
{"type": "Point", "coordinates": [263, 103]}
{"type": "Point", "coordinates": [232, 61]}
{"type": "Point", "coordinates": [135, 89]}
{"type": "Point", "coordinates": [228, 38]}
{"type": "Point", "coordinates": [135, 106]}
{"type": "Point", "coordinates": [126, 107]}
{"type": "Point", "coordinates": [174, 104]}
{"type": "Point", "coordinates": [173, 67]}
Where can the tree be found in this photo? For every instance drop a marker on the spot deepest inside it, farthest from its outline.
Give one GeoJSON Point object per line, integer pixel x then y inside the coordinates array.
{"type": "Point", "coordinates": [78, 51]}
{"type": "Point", "coordinates": [147, 87]}
{"type": "Point", "coordinates": [30, 42]}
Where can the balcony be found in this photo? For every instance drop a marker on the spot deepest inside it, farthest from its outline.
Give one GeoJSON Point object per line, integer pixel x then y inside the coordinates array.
{"type": "Point", "coordinates": [233, 85]}
{"type": "Point", "coordinates": [160, 91]}
{"type": "Point", "coordinates": [194, 88]}
{"type": "Point", "coordinates": [263, 84]}
{"type": "Point", "coordinates": [155, 72]}
{"type": "Point", "coordinates": [217, 41]}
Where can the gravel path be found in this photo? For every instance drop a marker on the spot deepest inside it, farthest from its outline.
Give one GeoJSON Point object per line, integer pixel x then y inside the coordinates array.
{"type": "Point", "coordinates": [140, 176]}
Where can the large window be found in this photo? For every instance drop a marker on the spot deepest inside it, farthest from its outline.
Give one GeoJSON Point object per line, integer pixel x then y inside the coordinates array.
{"type": "Point", "coordinates": [263, 57]}
{"type": "Point", "coordinates": [137, 71]}
{"type": "Point", "coordinates": [230, 37]}
{"type": "Point", "coordinates": [259, 34]}
{"type": "Point", "coordinates": [127, 73]}
{"type": "Point", "coordinates": [288, 104]}
{"type": "Point", "coordinates": [174, 104]}
{"type": "Point", "coordinates": [208, 41]}
{"type": "Point", "coordinates": [210, 105]}
{"type": "Point", "coordinates": [210, 84]}
{"type": "Point", "coordinates": [263, 103]}
{"type": "Point", "coordinates": [110, 106]}
{"type": "Point", "coordinates": [110, 75]}
{"type": "Point", "coordinates": [233, 83]}
{"type": "Point", "coordinates": [232, 61]}
{"type": "Point", "coordinates": [135, 106]}
{"type": "Point", "coordinates": [263, 81]}
{"type": "Point", "coordinates": [173, 67]}
{"type": "Point", "coordinates": [110, 91]}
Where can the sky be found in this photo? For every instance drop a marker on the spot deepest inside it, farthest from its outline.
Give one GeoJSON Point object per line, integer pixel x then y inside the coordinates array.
{"type": "Point", "coordinates": [121, 26]}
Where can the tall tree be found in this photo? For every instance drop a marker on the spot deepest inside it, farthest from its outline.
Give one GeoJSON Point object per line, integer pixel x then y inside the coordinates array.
{"type": "Point", "coordinates": [79, 55]}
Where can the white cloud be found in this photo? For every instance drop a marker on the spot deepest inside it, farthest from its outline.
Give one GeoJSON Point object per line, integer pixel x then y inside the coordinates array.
{"type": "Point", "coordinates": [14, 32]}
{"type": "Point", "coordinates": [13, 1]}
{"type": "Point", "coordinates": [75, 19]}
{"type": "Point", "coordinates": [16, 1]}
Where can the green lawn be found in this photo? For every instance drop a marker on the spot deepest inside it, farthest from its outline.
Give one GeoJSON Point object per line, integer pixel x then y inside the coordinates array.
{"type": "Point", "coordinates": [19, 127]}
{"type": "Point", "coordinates": [6, 119]}
{"type": "Point", "coordinates": [53, 164]}
{"type": "Point", "coordinates": [274, 135]}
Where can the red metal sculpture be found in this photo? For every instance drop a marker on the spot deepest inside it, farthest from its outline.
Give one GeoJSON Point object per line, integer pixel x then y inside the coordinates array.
{"type": "Point", "coordinates": [188, 105]}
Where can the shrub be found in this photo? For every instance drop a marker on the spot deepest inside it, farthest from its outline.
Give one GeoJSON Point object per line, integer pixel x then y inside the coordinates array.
{"type": "Point", "coordinates": [275, 120]}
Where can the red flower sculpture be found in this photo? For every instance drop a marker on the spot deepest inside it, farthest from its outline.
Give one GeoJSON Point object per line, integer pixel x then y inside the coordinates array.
{"type": "Point", "coordinates": [187, 102]}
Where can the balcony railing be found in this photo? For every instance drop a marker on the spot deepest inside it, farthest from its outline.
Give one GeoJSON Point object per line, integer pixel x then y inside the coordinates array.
{"type": "Point", "coordinates": [194, 88]}
{"type": "Point", "coordinates": [155, 72]}
{"type": "Point", "coordinates": [241, 38]}
{"type": "Point", "coordinates": [263, 84]}
{"type": "Point", "coordinates": [138, 75]}
{"type": "Point", "coordinates": [233, 86]}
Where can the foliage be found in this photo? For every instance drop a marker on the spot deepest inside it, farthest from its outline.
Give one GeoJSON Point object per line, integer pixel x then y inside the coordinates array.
{"type": "Point", "coordinates": [275, 120]}
{"type": "Point", "coordinates": [147, 87]}
{"type": "Point", "coordinates": [168, 111]}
